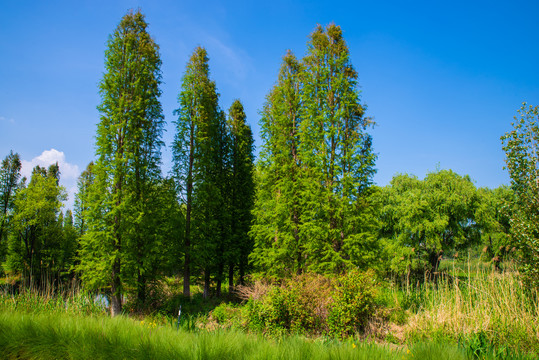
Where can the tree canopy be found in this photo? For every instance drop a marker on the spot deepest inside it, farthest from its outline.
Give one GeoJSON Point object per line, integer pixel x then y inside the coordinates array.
{"type": "Point", "coordinates": [522, 162]}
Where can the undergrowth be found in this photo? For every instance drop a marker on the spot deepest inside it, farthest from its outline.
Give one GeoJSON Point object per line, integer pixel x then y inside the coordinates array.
{"type": "Point", "coordinates": [485, 315]}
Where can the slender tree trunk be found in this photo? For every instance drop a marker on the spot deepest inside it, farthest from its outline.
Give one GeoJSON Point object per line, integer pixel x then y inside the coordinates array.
{"type": "Point", "coordinates": [220, 272]}
{"type": "Point", "coordinates": [242, 272]}
{"type": "Point", "coordinates": [206, 292]}
{"type": "Point", "coordinates": [187, 264]}
{"type": "Point", "coordinates": [116, 296]}
{"type": "Point", "coordinates": [230, 278]}
{"type": "Point", "coordinates": [116, 284]}
{"type": "Point", "coordinates": [141, 290]}
{"type": "Point", "coordinates": [434, 260]}
{"type": "Point", "coordinates": [221, 260]}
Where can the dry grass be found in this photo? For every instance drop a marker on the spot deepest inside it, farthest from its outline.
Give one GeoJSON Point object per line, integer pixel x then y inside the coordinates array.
{"type": "Point", "coordinates": [491, 303]}
{"type": "Point", "coordinates": [255, 291]}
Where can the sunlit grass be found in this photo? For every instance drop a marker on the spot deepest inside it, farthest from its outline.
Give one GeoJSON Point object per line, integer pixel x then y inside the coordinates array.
{"type": "Point", "coordinates": [59, 336]}
{"type": "Point", "coordinates": [489, 304]}
{"type": "Point", "coordinates": [471, 312]}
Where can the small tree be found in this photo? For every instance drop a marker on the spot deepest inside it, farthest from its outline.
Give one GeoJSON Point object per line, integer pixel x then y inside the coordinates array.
{"type": "Point", "coordinates": [493, 216]}
{"type": "Point", "coordinates": [521, 150]}
{"type": "Point", "coordinates": [10, 173]}
{"type": "Point", "coordinates": [35, 242]}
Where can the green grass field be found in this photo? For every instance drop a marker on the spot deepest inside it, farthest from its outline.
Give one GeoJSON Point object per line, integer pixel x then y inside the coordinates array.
{"type": "Point", "coordinates": [66, 336]}
{"type": "Point", "coordinates": [479, 314]}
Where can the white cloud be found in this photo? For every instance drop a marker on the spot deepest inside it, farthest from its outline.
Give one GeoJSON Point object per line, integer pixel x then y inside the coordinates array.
{"type": "Point", "coordinates": [69, 173]}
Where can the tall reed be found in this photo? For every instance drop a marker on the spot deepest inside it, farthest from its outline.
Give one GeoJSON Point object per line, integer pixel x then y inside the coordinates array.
{"type": "Point", "coordinates": [495, 305]}
{"type": "Point", "coordinates": [68, 298]}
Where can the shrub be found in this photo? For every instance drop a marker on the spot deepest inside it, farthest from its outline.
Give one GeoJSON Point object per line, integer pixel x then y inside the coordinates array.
{"type": "Point", "coordinates": [313, 305]}
{"type": "Point", "coordinates": [353, 303]}
{"type": "Point", "coordinates": [228, 315]}
{"type": "Point", "coordinates": [297, 305]}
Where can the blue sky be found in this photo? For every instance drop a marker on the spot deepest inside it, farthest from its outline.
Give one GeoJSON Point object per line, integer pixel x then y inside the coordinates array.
{"type": "Point", "coordinates": [442, 80]}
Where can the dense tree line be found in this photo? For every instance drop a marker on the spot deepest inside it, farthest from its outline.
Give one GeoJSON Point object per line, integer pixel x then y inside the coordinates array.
{"type": "Point", "coordinates": [308, 205]}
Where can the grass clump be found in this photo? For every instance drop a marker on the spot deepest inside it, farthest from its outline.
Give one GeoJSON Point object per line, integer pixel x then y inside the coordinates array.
{"type": "Point", "coordinates": [493, 307]}
{"type": "Point", "coordinates": [34, 301]}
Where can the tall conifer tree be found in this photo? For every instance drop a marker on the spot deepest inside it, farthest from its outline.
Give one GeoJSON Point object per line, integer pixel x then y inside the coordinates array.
{"type": "Point", "coordinates": [128, 153]}
{"type": "Point", "coordinates": [198, 167]}
{"type": "Point", "coordinates": [337, 152]}
{"type": "Point", "coordinates": [316, 166]}
{"type": "Point", "coordinates": [277, 229]}
{"type": "Point", "coordinates": [241, 194]}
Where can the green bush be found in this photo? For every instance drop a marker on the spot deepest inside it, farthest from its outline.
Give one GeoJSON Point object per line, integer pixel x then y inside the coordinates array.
{"type": "Point", "coordinates": [353, 303]}
{"type": "Point", "coordinates": [228, 315]}
{"type": "Point", "coordinates": [298, 305]}
{"type": "Point", "coordinates": [272, 314]}
{"type": "Point", "coordinates": [315, 305]}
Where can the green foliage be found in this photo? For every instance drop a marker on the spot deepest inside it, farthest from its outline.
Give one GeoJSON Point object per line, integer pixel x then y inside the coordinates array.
{"type": "Point", "coordinates": [336, 151]}
{"type": "Point", "coordinates": [10, 173]}
{"type": "Point", "coordinates": [213, 169]}
{"type": "Point", "coordinates": [313, 209]}
{"type": "Point", "coordinates": [120, 244]}
{"type": "Point", "coordinates": [229, 315]}
{"type": "Point", "coordinates": [315, 305]}
{"type": "Point", "coordinates": [84, 184]}
{"type": "Point", "coordinates": [242, 188]}
{"type": "Point", "coordinates": [279, 242]}
{"type": "Point", "coordinates": [298, 305]}
{"type": "Point", "coordinates": [198, 166]}
{"type": "Point", "coordinates": [493, 215]}
{"type": "Point", "coordinates": [69, 244]}
{"type": "Point", "coordinates": [422, 220]}
{"type": "Point", "coordinates": [520, 146]}
{"type": "Point", "coordinates": [35, 244]}
{"type": "Point", "coordinates": [353, 303]}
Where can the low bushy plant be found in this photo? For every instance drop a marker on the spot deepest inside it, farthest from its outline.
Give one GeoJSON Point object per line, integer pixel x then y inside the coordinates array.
{"type": "Point", "coordinates": [297, 305]}
{"type": "Point", "coordinates": [314, 305]}
{"type": "Point", "coordinates": [353, 303]}
{"type": "Point", "coordinates": [229, 315]}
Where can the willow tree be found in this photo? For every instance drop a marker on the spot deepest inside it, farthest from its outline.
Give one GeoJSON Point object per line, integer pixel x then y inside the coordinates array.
{"type": "Point", "coordinates": [422, 220]}
{"type": "Point", "coordinates": [128, 155]}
